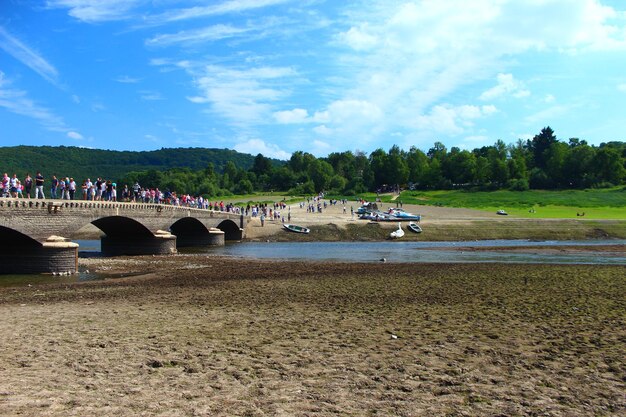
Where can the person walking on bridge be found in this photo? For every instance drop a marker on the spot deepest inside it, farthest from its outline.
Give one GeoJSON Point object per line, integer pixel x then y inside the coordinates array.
{"type": "Point", "coordinates": [39, 179]}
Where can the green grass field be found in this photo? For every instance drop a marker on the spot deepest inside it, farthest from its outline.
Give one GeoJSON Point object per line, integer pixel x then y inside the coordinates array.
{"type": "Point", "coordinates": [596, 204]}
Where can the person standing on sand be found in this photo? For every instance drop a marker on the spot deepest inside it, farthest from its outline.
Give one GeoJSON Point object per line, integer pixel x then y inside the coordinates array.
{"type": "Point", "coordinates": [262, 219]}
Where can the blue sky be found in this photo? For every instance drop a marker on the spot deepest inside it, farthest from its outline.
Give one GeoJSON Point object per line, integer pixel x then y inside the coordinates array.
{"type": "Point", "coordinates": [277, 76]}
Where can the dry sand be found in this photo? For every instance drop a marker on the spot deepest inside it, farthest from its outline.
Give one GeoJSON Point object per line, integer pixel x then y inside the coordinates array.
{"type": "Point", "coordinates": [204, 336]}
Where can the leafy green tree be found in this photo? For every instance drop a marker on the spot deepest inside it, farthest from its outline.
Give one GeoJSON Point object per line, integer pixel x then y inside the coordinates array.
{"type": "Point", "coordinates": [608, 166]}
{"type": "Point", "coordinates": [378, 165]}
{"type": "Point", "coordinates": [417, 161]}
{"type": "Point", "coordinates": [262, 165]}
{"type": "Point", "coordinates": [244, 187]}
{"type": "Point", "coordinates": [459, 166]}
{"type": "Point", "coordinates": [540, 145]}
{"type": "Point", "coordinates": [577, 164]}
{"type": "Point", "coordinates": [320, 173]}
{"type": "Point", "coordinates": [397, 167]}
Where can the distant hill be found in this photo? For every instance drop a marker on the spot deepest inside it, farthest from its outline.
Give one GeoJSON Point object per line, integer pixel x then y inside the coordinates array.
{"type": "Point", "coordinates": [82, 163]}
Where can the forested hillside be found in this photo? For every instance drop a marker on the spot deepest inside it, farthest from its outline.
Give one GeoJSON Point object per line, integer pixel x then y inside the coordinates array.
{"type": "Point", "coordinates": [543, 162]}
{"type": "Point", "coordinates": [82, 163]}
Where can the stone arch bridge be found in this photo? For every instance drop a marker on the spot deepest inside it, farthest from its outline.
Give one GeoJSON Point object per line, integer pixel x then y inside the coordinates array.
{"type": "Point", "coordinates": [34, 233]}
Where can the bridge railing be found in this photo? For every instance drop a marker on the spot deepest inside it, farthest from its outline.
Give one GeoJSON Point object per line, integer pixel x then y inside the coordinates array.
{"type": "Point", "coordinates": [55, 205]}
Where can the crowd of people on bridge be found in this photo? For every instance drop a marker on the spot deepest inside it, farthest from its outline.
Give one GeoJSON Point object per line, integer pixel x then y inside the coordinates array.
{"type": "Point", "coordinates": [66, 188]}
{"type": "Point", "coordinates": [103, 190]}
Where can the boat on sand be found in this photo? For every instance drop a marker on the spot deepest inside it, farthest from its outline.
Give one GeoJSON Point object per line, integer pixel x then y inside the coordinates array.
{"type": "Point", "coordinates": [414, 227]}
{"type": "Point", "coordinates": [297, 229]}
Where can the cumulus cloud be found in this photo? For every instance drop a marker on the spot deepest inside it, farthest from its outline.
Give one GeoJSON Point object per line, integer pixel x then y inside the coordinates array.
{"type": "Point", "coordinates": [452, 120]}
{"type": "Point", "coordinates": [292, 116]}
{"type": "Point", "coordinates": [242, 96]}
{"type": "Point", "coordinates": [258, 146]}
{"type": "Point", "coordinates": [408, 58]}
{"type": "Point", "coordinates": [350, 110]}
{"type": "Point", "coordinates": [74, 135]}
{"type": "Point", "coordinates": [506, 85]}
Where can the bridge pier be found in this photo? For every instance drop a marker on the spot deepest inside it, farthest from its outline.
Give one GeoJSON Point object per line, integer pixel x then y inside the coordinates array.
{"type": "Point", "coordinates": [214, 237]}
{"type": "Point", "coordinates": [160, 244]}
{"type": "Point", "coordinates": [55, 255]}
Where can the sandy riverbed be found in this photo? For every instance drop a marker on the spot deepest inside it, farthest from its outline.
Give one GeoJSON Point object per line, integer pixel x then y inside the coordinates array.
{"type": "Point", "coordinates": [192, 335]}
{"type": "Point", "coordinates": [199, 335]}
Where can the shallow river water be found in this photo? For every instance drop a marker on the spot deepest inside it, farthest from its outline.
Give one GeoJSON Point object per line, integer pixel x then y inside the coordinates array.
{"type": "Point", "coordinates": [423, 251]}
{"type": "Point", "coordinates": [467, 252]}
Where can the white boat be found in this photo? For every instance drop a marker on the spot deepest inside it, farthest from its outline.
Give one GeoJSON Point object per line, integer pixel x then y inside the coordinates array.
{"type": "Point", "coordinates": [297, 229]}
{"type": "Point", "coordinates": [396, 234]}
{"type": "Point", "coordinates": [502, 212]}
{"type": "Point", "coordinates": [414, 227]}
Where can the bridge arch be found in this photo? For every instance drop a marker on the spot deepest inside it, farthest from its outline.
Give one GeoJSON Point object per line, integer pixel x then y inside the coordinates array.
{"type": "Point", "coordinates": [231, 230]}
{"type": "Point", "coordinates": [122, 227]}
{"type": "Point", "coordinates": [126, 236]}
{"type": "Point", "coordinates": [11, 238]}
{"type": "Point", "coordinates": [190, 231]}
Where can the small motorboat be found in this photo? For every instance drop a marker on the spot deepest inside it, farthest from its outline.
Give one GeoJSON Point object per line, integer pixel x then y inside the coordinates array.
{"type": "Point", "coordinates": [414, 227]}
{"type": "Point", "coordinates": [502, 213]}
{"type": "Point", "coordinates": [297, 229]}
{"type": "Point", "coordinates": [399, 214]}
{"type": "Point", "coordinates": [396, 234]}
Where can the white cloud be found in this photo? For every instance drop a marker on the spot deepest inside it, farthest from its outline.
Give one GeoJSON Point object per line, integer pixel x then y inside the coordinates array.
{"type": "Point", "coordinates": [358, 38]}
{"type": "Point", "coordinates": [549, 98]}
{"type": "Point", "coordinates": [74, 135]}
{"type": "Point", "coordinates": [547, 116]}
{"type": "Point", "coordinates": [318, 147]}
{"type": "Point", "coordinates": [323, 130]}
{"type": "Point", "coordinates": [208, 34]}
{"type": "Point", "coordinates": [150, 95]}
{"type": "Point", "coordinates": [225, 7]}
{"type": "Point", "coordinates": [350, 110]}
{"type": "Point", "coordinates": [27, 56]}
{"type": "Point", "coordinates": [242, 96]}
{"type": "Point", "coordinates": [408, 58]}
{"type": "Point", "coordinates": [256, 146]}
{"type": "Point", "coordinates": [17, 101]}
{"type": "Point", "coordinates": [621, 87]}
{"type": "Point", "coordinates": [507, 85]}
{"type": "Point", "coordinates": [452, 120]}
{"type": "Point", "coordinates": [292, 116]}
{"type": "Point", "coordinates": [125, 79]}
{"type": "Point", "coordinates": [94, 11]}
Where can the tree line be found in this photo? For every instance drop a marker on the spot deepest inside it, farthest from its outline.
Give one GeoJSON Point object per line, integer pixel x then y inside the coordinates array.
{"type": "Point", "coordinates": [542, 162]}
